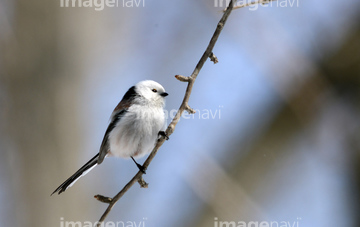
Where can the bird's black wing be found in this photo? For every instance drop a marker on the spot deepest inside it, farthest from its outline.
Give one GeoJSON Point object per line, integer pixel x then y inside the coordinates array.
{"type": "Point", "coordinates": [117, 114]}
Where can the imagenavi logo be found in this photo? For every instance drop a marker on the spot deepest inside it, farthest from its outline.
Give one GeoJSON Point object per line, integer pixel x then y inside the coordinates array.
{"type": "Point", "coordinates": [99, 5]}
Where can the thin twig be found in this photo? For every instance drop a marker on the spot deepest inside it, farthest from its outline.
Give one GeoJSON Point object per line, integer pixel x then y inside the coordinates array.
{"type": "Point", "coordinates": [182, 78]}
{"type": "Point", "coordinates": [142, 183]}
{"type": "Point", "coordinates": [103, 199]}
{"type": "Point", "coordinates": [189, 109]}
{"type": "Point", "coordinates": [213, 58]}
{"type": "Point", "coordinates": [170, 129]}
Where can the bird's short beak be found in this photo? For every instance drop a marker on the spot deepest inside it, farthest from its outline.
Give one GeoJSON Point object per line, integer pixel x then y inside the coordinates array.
{"type": "Point", "coordinates": [164, 94]}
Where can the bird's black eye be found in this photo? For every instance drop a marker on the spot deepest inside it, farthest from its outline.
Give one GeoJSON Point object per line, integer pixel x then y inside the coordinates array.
{"type": "Point", "coordinates": [154, 90]}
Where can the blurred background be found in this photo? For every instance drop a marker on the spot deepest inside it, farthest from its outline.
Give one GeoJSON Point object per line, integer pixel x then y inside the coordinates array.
{"type": "Point", "coordinates": [275, 136]}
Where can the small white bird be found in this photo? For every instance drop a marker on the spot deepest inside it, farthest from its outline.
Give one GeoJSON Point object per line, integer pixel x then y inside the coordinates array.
{"type": "Point", "coordinates": [134, 127]}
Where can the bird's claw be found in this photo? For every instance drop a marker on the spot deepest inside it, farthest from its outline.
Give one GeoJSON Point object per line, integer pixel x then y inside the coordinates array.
{"type": "Point", "coordinates": [141, 168]}
{"type": "Point", "coordinates": [163, 134]}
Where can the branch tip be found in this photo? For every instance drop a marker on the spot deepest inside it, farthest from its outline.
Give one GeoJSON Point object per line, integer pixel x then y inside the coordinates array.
{"type": "Point", "coordinates": [142, 183]}
{"type": "Point", "coordinates": [213, 58]}
{"type": "Point", "coordinates": [189, 109]}
{"type": "Point", "coordinates": [103, 199]}
{"type": "Point", "coordinates": [182, 78]}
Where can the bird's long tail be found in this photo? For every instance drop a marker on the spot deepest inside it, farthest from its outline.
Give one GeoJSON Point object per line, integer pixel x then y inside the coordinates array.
{"type": "Point", "coordinates": [81, 172]}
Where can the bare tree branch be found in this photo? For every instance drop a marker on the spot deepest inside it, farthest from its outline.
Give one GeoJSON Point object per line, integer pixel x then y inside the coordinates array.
{"type": "Point", "coordinates": [170, 129]}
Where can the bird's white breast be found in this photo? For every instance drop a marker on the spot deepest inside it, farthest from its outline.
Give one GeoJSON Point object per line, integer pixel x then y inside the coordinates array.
{"type": "Point", "coordinates": [136, 132]}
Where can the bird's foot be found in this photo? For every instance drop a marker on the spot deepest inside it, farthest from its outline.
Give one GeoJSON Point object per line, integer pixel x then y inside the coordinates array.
{"type": "Point", "coordinates": [141, 168]}
{"type": "Point", "coordinates": [163, 134]}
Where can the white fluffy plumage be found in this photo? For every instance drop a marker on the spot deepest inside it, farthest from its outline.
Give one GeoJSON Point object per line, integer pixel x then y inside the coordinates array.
{"type": "Point", "coordinates": [136, 132]}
